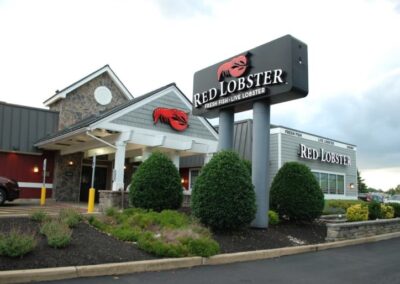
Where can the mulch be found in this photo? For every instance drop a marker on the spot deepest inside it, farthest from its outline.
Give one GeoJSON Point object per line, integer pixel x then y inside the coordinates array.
{"type": "Point", "coordinates": [89, 246]}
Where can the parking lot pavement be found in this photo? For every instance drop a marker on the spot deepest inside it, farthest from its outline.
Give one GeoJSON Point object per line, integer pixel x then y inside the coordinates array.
{"type": "Point", "coordinates": [24, 207]}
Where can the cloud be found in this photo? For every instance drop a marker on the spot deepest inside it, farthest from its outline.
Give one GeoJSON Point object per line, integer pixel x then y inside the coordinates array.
{"type": "Point", "coordinates": [369, 120]}
{"type": "Point", "coordinates": [184, 8]}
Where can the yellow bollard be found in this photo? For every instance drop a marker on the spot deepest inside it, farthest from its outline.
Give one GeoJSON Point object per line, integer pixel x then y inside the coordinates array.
{"type": "Point", "coordinates": [43, 196]}
{"type": "Point", "coordinates": [92, 193]}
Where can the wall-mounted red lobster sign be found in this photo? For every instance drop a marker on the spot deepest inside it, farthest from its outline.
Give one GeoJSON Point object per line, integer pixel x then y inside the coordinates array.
{"type": "Point", "coordinates": [176, 118]}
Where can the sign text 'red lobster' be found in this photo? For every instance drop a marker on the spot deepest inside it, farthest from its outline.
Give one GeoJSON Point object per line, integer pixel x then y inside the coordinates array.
{"type": "Point", "coordinates": [176, 118]}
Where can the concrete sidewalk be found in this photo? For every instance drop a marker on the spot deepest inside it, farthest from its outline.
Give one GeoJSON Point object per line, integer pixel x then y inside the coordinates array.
{"type": "Point", "coordinates": [24, 207]}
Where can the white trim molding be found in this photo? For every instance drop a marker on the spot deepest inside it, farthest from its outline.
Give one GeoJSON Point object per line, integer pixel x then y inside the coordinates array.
{"type": "Point", "coordinates": [34, 185]}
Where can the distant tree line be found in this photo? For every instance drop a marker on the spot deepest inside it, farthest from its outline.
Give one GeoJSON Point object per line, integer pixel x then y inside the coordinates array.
{"type": "Point", "coordinates": [363, 188]}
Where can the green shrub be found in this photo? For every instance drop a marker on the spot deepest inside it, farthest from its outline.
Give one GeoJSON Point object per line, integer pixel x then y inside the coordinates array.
{"type": "Point", "coordinates": [39, 216]}
{"type": "Point", "coordinates": [125, 233]}
{"type": "Point", "coordinates": [295, 193]}
{"type": "Point", "coordinates": [204, 247]}
{"type": "Point", "coordinates": [273, 217]}
{"type": "Point", "coordinates": [70, 216]}
{"type": "Point", "coordinates": [357, 212]}
{"type": "Point", "coordinates": [374, 210]}
{"type": "Point", "coordinates": [58, 234]}
{"type": "Point", "coordinates": [16, 243]}
{"type": "Point", "coordinates": [223, 196]}
{"type": "Point", "coordinates": [387, 211]}
{"type": "Point", "coordinates": [396, 208]}
{"type": "Point", "coordinates": [111, 211]}
{"type": "Point", "coordinates": [247, 163]}
{"type": "Point", "coordinates": [156, 184]}
{"type": "Point", "coordinates": [95, 222]}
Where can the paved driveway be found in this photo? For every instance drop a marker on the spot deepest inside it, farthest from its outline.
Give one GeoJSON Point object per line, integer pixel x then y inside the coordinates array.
{"type": "Point", "coordinates": [23, 207]}
{"type": "Point", "coordinates": [367, 263]}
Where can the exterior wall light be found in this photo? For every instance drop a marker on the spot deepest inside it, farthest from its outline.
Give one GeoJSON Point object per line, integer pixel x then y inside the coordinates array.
{"type": "Point", "coordinates": [70, 163]}
{"type": "Point", "coordinates": [352, 185]}
{"type": "Point", "coordinates": [35, 169]}
{"type": "Point", "coordinates": [182, 180]}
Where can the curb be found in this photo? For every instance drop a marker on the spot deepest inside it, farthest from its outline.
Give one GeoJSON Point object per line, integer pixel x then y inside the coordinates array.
{"type": "Point", "coordinates": [59, 273]}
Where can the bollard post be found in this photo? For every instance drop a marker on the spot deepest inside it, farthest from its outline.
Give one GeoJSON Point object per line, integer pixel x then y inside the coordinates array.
{"type": "Point", "coordinates": [43, 190]}
{"type": "Point", "coordinates": [92, 191]}
{"type": "Point", "coordinates": [43, 196]}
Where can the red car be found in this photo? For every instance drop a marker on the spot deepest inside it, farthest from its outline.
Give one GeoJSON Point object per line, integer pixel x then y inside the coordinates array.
{"type": "Point", "coordinates": [9, 190]}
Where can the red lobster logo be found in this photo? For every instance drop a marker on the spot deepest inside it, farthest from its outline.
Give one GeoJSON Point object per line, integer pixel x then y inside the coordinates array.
{"type": "Point", "coordinates": [235, 67]}
{"type": "Point", "coordinates": [176, 118]}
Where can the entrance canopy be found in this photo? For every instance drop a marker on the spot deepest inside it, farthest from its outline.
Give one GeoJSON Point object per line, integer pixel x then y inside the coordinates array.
{"type": "Point", "coordinates": [136, 128]}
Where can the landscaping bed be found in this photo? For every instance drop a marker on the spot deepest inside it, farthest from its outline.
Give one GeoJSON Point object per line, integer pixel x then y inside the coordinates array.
{"type": "Point", "coordinates": [90, 246]}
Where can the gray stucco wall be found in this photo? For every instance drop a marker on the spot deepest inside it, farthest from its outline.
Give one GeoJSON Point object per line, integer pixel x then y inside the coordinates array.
{"type": "Point", "coordinates": [21, 127]}
{"type": "Point", "coordinates": [143, 117]}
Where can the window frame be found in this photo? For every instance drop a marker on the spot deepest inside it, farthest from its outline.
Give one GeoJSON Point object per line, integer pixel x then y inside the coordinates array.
{"type": "Point", "coordinates": [189, 191]}
{"type": "Point", "coordinates": [332, 173]}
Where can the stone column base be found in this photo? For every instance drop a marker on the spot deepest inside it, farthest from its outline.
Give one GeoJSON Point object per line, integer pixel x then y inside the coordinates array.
{"type": "Point", "coordinates": [109, 198]}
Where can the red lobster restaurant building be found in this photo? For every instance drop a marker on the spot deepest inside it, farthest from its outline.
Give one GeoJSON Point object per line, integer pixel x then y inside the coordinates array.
{"type": "Point", "coordinates": [97, 115]}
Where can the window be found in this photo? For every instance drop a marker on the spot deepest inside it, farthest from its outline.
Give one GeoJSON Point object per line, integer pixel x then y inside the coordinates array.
{"type": "Point", "coordinates": [330, 183]}
{"type": "Point", "coordinates": [193, 174]}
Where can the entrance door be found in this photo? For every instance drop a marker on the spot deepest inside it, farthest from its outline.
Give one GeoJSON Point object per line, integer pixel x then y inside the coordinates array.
{"type": "Point", "coordinates": [100, 182]}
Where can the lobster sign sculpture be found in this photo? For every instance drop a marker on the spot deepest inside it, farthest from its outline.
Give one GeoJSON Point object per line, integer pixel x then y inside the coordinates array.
{"type": "Point", "coordinates": [176, 118]}
{"type": "Point", "coordinates": [234, 67]}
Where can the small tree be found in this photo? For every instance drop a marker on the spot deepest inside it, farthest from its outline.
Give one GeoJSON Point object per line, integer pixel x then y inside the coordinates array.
{"type": "Point", "coordinates": [295, 193]}
{"type": "Point", "coordinates": [156, 184]}
{"type": "Point", "coordinates": [223, 196]}
{"type": "Point", "coordinates": [362, 187]}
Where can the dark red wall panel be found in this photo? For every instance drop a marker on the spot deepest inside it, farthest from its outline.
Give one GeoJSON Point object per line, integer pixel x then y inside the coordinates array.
{"type": "Point", "coordinates": [20, 167]}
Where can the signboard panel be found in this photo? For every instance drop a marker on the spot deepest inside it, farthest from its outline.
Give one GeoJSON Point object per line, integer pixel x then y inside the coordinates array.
{"type": "Point", "coordinates": [276, 72]}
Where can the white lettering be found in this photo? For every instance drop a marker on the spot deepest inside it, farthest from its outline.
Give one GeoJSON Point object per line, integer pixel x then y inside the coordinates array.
{"type": "Point", "coordinates": [278, 76]}
{"type": "Point", "coordinates": [267, 77]}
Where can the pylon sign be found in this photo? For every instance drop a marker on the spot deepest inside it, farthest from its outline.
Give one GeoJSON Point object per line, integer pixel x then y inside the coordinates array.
{"type": "Point", "coordinates": [276, 71]}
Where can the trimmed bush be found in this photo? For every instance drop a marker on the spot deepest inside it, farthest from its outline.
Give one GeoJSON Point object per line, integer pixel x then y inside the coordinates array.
{"type": "Point", "coordinates": [356, 213]}
{"type": "Point", "coordinates": [156, 184]}
{"type": "Point", "coordinates": [273, 217]}
{"type": "Point", "coordinates": [374, 210]}
{"type": "Point", "coordinates": [396, 208]}
{"type": "Point", "coordinates": [387, 211]}
{"type": "Point", "coordinates": [223, 196]}
{"type": "Point", "coordinates": [295, 193]}
{"type": "Point", "coordinates": [16, 243]}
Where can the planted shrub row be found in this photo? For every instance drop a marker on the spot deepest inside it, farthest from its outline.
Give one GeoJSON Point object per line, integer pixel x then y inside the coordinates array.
{"type": "Point", "coordinates": [372, 211]}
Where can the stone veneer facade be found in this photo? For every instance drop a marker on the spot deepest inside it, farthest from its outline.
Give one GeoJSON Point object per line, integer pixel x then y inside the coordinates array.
{"type": "Point", "coordinates": [67, 178]}
{"type": "Point", "coordinates": [78, 104]}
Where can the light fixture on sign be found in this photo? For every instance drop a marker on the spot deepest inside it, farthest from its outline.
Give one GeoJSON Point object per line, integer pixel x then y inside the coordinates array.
{"type": "Point", "coordinates": [35, 169]}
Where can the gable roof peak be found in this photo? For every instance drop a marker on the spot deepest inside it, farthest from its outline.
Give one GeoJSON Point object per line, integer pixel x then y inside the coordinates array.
{"type": "Point", "coordinates": [105, 69]}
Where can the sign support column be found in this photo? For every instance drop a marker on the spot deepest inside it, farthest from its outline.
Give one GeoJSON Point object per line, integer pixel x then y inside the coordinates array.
{"type": "Point", "coordinates": [260, 161]}
{"type": "Point", "coordinates": [225, 130]}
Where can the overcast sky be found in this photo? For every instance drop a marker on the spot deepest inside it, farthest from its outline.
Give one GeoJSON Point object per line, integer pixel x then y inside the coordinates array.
{"type": "Point", "coordinates": [353, 46]}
